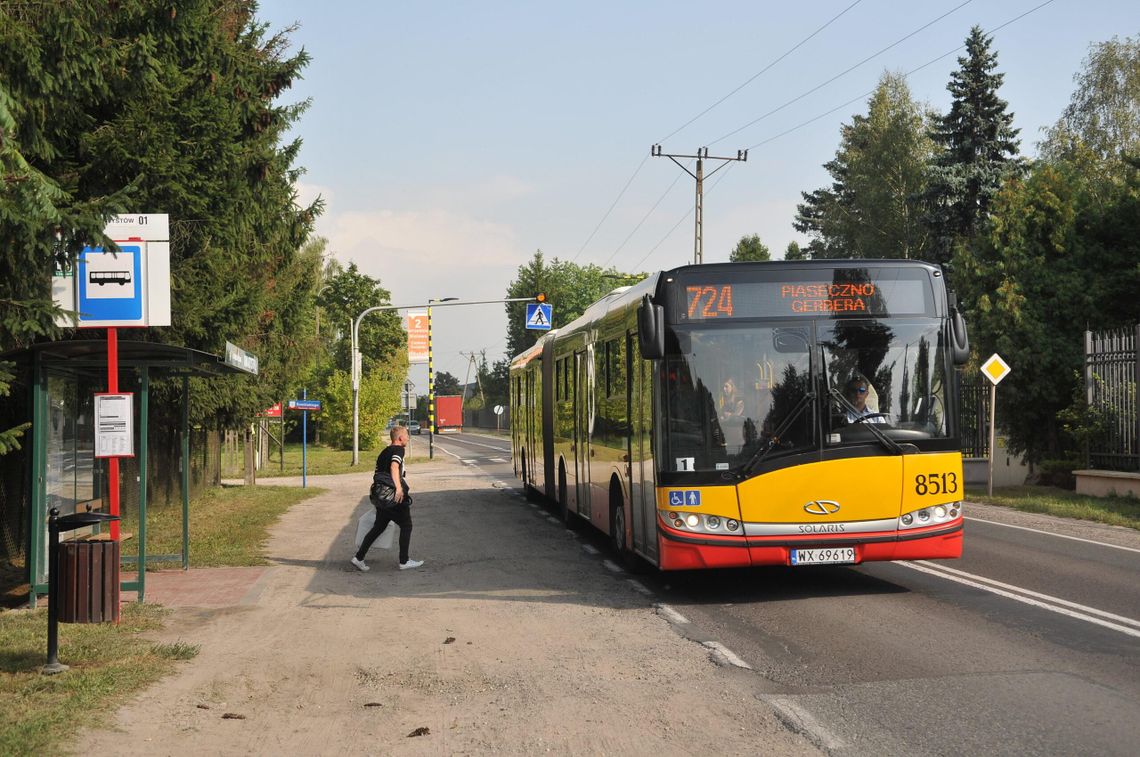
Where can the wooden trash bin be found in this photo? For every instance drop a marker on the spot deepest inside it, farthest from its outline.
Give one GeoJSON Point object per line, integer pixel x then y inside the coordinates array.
{"type": "Point", "coordinates": [88, 581]}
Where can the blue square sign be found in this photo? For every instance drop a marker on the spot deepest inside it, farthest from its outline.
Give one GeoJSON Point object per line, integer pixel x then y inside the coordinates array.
{"type": "Point", "coordinates": [538, 315]}
{"type": "Point", "coordinates": [110, 284]}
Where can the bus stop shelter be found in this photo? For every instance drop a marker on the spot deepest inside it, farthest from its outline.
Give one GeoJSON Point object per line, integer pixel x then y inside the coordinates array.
{"type": "Point", "coordinates": [62, 378]}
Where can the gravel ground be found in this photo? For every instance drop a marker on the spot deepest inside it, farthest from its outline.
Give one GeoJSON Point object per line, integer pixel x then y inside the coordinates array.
{"type": "Point", "coordinates": [511, 639]}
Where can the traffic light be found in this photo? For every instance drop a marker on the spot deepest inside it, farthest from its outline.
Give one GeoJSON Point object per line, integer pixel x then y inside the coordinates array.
{"type": "Point", "coordinates": [540, 297]}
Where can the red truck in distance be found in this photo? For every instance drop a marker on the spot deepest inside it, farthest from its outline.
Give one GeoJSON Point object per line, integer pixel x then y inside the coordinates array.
{"type": "Point", "coordinates": [448, 414]}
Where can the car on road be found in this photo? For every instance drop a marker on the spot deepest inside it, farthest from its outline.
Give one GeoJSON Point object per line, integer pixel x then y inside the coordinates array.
{"type": "Point", "coordinates": [414, 427]}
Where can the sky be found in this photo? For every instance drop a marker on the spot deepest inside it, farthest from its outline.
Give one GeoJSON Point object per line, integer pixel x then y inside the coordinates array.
{"type": "Point", "coordinates": [452, 140]}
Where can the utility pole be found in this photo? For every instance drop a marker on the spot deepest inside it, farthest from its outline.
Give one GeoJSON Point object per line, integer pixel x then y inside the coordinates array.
{"type": "Point", "coordinates": [701, 156]}
{"type": "Point", "coordinates": [467, 380]}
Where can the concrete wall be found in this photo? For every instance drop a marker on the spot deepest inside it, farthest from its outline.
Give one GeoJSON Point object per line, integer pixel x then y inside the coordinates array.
{"type": "Point", "coordinates": [1008, 469]}
{"type": "Point", "coordinates": [1107, 483]}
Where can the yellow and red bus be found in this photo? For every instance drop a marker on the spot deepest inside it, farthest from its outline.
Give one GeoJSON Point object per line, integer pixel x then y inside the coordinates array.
{"type": "Point", "coordinates": [709, 416]}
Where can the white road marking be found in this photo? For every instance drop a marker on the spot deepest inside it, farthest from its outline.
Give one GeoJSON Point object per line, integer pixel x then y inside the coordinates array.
{"type": "Point", "coordinates": [498, 460]}
{"type": "Point", "coordinates": [589, 549]}
{"type": "Point", "coordinates": [1059, 606]}
{"type": "Point", "coordinates": [497, 448]}
{"type": "Point", "coordinates": [639, 587]}
{"type": "Point", "coordinates": [1050, 533]}
{"type": "Point", "coordinates": [612, 566]}
{"type": "Point", "coordinates": [802, 721]}
{"type": "Point", "coordinates": [442, 449]}
{"type": "Point", "coordinates": [554, 520]}
{"type": "Point", "coordinates": [670, 614]}
{"type": "Point", "coordinates": [727, 654]}
{"type": "Point", "coordinates": [470, 462]}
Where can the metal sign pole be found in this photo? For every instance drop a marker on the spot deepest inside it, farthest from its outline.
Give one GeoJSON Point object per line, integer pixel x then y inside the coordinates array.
{"type": "Point", "coordinates": [993, 406]}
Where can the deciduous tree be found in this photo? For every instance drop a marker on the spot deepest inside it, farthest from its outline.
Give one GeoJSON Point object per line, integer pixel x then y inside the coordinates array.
{"type": "Point", "coordinates": [568, 287]}
{"type": "Point", "coordinates": [749, 249]}
{"type": "Point", "coordinates": [872, 209]}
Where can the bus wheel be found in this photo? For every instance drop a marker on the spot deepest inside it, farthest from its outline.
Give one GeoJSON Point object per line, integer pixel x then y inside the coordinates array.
{"type": "Point", "coordinates": [617, 522]}
{"type": "Point", "coordinates": [563, 501]}
{"type": "Point", "coordinates": [527, 490]}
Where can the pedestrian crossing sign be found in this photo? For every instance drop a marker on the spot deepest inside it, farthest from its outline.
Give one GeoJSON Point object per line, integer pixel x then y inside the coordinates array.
{"type": "Point", "coordinates": [538, 315]}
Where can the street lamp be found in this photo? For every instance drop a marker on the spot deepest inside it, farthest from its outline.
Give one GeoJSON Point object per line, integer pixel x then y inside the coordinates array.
{"type": "Point", "coordinates": [355, 331]}
{"type": "Point", "coordinates": [355, 339]}
{"type": "Point", "coordinates": [431, 380]}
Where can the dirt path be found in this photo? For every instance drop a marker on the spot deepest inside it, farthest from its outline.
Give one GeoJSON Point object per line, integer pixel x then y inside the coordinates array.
{"type": "Point", "coordinates": [511, 639]}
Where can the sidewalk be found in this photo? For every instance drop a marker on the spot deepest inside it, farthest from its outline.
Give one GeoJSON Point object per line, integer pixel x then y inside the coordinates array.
{"type": "Point", "coordinates": [512, 639]}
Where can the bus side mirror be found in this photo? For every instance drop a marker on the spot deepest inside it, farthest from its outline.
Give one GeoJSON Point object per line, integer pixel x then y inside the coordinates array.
{"type": "Point", "coordinates": [959, 340]}
{"type": "Point", "coordinates": [651, 329]}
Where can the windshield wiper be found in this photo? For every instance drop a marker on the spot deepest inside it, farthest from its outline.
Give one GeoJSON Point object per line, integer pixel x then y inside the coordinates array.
{"type": "Point", "coordinates": [891, 445]}
{"type": "Point", "coordinates": [774, 439]}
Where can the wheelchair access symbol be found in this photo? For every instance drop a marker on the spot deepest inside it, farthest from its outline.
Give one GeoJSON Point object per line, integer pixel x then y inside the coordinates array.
{"type": "Point", "coordinates": [685, 498]}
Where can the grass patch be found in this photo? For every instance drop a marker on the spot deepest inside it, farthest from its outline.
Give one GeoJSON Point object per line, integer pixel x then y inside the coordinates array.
{"type": "Point", "coordinates": [1115, 511]}
{"type": "Point", "coordinates": [178, 650]}
{"type": "Point", "coordinates": [228, 525]}
{"type": "Point", "coordinates": [326, 461]}
{"type": "Point", "coordinates": [109, 663]}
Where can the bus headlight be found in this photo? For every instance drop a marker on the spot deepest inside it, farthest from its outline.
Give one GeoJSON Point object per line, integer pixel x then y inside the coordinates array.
{"type": "Point", "coordinates": [700, 523]}
{"type": "Point", "coordinates": [931, 515]}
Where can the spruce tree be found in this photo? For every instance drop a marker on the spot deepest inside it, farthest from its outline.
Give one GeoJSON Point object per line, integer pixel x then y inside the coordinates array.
{"type": "Point", "coordinates": [977, 150]}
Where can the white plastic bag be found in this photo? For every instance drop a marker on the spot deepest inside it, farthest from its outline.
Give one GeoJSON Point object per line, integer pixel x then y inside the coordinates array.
{"type": "Point", "coordinates": [387, 537]}
{"type": "Point", "coordinates": [364, 525]}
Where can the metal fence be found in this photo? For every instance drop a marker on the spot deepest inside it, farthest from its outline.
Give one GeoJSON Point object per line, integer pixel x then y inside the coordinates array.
{"type": "Point", "coordinates": [1112, 373]}
{"type": "Point", "coordinates": [974, 396]}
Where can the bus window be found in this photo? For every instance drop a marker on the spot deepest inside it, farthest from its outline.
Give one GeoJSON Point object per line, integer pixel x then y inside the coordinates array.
{"type": "Point", "coordinates": [900, 367]}
{"type": "Point", "coordinates": [728, 394]}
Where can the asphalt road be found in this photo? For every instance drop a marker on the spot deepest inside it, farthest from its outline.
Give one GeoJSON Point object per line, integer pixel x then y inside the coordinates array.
{"type": "Point", "coordinates": [1030, 644]}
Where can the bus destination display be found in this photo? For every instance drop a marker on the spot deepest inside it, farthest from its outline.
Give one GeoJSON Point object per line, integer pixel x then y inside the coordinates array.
{"type": "Point", "coordinates": [775, 299]}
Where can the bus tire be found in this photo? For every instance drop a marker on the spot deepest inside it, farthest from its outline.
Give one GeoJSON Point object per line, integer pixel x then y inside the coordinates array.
{"type": "Point", "coordinates": [563, 499]}
{"type": "Point", "coordinates": [617, 521]}
{"type": "Point", "coordinates": [528, 490]}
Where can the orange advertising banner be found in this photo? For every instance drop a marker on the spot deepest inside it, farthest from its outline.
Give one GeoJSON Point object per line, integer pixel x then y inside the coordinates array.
{"type": "Point", "coordinates": [417, 325]}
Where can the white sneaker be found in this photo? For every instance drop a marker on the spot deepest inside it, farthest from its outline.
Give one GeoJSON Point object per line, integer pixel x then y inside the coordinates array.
{"type": "Point", "coordinates": [411, 564]}
{"type": "Point", "coordinates": [359, 564]}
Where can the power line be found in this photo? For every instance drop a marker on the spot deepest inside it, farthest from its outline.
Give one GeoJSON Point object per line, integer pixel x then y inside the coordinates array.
{"type": "Point", "coordinates": [753, 78]}
{"type": "Point", "coordinates": [840, 107]}
{"type": "Point", "coordinates": [644, 218]}
{"type": "Point", "coordinates": [613, 204]}
{"type": "Point", "coordinates": [915, 70]}
{"type": "Point", "coordinates": [769, 113]}
{"type": "Point", "coordinates": [841, 73]}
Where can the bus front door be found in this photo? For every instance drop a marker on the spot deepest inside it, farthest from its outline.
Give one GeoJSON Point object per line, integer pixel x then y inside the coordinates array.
{"type": "Point", "coordinates": [583, 394]}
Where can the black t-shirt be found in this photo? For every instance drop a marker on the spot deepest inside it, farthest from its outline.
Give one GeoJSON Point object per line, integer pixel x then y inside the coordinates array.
{"type": "Point", "coordinates": [392, 453]}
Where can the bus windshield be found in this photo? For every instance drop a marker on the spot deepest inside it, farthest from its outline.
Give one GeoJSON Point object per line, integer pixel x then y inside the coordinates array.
{"type": "Point", "coordinates": [737, 392]}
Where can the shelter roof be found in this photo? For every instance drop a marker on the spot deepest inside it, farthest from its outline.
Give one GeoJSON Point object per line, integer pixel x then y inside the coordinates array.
{"type": "Point", "coordinates": [83, 355]}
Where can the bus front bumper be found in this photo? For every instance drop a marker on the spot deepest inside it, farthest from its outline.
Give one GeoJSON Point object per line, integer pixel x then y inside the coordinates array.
{"type": "Point", "coordinates": [686, 551]}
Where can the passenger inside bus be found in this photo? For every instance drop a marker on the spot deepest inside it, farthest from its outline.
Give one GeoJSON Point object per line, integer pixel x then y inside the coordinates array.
{"type": "Point", "coordinates": [731, 403]}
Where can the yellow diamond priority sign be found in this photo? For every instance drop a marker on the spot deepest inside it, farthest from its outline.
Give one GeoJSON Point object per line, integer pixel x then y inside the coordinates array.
{"type": "Point", "coordinates": [995, 369]}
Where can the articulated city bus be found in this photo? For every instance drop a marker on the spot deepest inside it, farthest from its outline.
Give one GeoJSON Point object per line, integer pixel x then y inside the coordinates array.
{"type": "Point", "coordinates": [711, 416]}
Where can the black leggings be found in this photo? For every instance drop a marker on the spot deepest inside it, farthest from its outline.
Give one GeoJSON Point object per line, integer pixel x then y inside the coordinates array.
{"type": "Point", "coordinates": [401, 514]}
